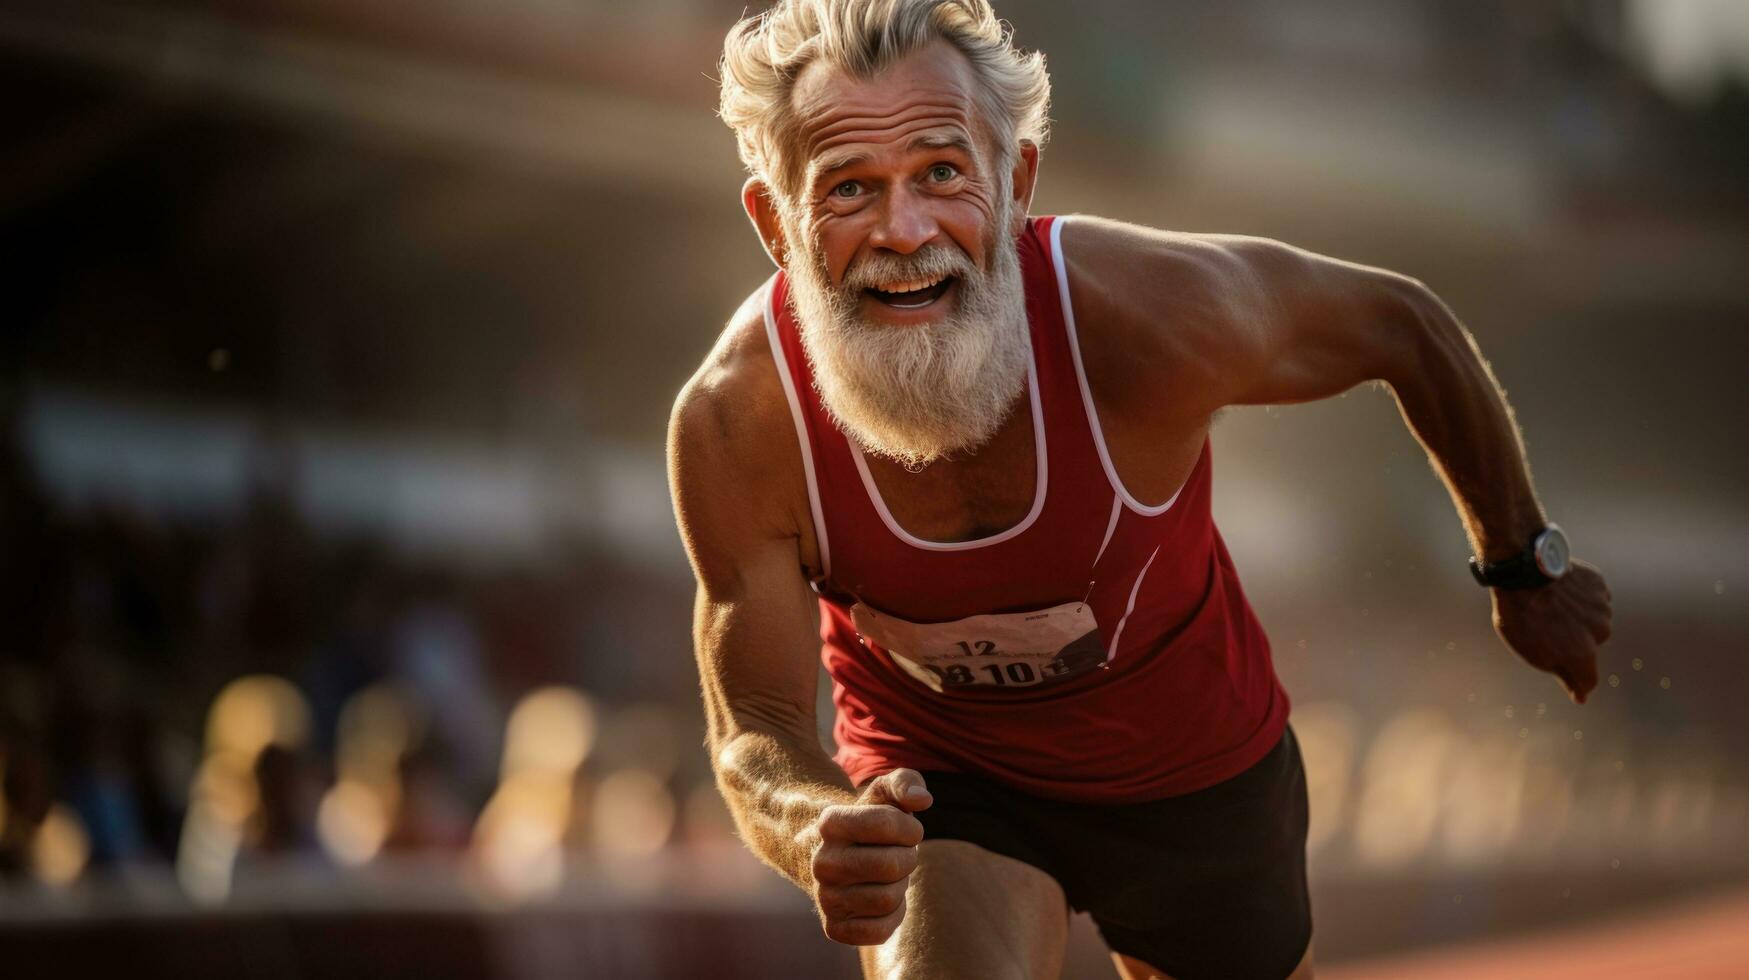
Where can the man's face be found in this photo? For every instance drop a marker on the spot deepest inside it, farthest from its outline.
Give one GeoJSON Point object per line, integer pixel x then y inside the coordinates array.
{"type": "Point", "coordinates": [902, 258]}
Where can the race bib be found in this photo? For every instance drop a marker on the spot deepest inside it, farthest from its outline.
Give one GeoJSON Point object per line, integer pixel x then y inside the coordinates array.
{"type": "Point", "coordinates": [991, 650]}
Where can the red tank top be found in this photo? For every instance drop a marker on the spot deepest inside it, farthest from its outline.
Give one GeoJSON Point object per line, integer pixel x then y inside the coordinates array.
{"type": "Point", "coordinates": [1188, 695]}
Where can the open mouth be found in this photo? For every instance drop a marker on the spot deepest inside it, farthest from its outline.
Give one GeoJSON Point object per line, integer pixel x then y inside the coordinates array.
{"type": "Point", "coordinates": [914, 294]}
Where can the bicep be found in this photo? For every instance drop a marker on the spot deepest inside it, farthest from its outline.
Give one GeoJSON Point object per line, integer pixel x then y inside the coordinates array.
{"type": "Point", "coordinates": [1308, 326]}
{"type": "Point", "coordinates": [1223, 320]}
{"type": "Point", "coordinates": [755, 647]}
{"type": "Point", "coordinates": [753, 626]}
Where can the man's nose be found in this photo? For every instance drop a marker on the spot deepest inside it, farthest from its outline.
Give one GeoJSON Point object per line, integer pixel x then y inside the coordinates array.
{"type": "Point", "coordinates": [906, 222]}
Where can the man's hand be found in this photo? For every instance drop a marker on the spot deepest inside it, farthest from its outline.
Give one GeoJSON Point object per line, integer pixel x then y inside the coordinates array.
{"type": "Point", "coordinates": [1557, 627]}
{"type": "Point", "coordinates": [864, 857]}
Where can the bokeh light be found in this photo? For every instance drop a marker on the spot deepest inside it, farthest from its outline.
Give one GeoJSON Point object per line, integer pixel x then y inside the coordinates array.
{"type": "Point", "coordinates": [1403, 787]}
{"type": "Point", "coordinates": [1326, 731]}
{"type": "Point", "coordinates": [254, 712]}
{"type": "Point", "coordinates": [1483, 801]}
{"type": "Point", "coordinates": [60, 849]}
{"type": "Point", "coordinates": [519, 839]}
{"type": "Point", "coordinates": [353, 822]}
{"type": "Point", "coordinates": [250, 716]}
{"type": "Point", "coordinates": [551, 731]}
{"type": "Point", "coordinates": [634, 814]}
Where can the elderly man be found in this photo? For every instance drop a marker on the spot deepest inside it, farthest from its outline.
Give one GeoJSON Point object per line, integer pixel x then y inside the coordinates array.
{"type": "Point", "coordinates": [978, 442]}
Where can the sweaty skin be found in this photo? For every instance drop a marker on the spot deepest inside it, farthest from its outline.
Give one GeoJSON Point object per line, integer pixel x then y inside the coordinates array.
{"type": "Point", "coordinates": [1216, 320]}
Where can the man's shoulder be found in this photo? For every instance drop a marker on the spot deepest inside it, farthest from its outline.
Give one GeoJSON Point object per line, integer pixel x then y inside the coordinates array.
{"type": "Point", "coordinates": [1126, 259]}
{"type": "Point", "coordinates": [734, 407]}
{"type": "Point", "coordinates": [738, 375]}
{"type": "Point", "coordinates": [1193, 272]}
{"type": "Point", "coordinates": [1160, 310]}
{"type": "Point", "coordinates": [734, 460]}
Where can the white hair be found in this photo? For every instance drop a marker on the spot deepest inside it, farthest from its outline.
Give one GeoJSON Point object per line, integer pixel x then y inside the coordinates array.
{"type": "Point", "coordinates": [764, 54]}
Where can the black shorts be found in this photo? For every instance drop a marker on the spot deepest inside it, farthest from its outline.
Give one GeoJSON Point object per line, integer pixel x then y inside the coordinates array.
{"type": "Point", "coordinates": [1207, 884]}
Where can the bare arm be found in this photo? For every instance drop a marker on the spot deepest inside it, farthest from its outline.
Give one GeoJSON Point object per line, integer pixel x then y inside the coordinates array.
{"type": "Point", "coordinates": [753, 636]}
{"type": "Point", "coordinates": [1322, 326]}
{"type": "Point", "coordinates": [1262, 322]}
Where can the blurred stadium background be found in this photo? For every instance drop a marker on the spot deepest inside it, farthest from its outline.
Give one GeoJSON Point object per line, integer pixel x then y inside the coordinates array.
{"type": "Point", "coordinates": [345, 628]}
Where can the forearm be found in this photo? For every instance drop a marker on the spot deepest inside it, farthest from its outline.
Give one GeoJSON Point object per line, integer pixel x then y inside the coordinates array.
{"type": "Point", "coordinates": [1455, 407]}
{"type": "Point", "coordinates": [776, 788]}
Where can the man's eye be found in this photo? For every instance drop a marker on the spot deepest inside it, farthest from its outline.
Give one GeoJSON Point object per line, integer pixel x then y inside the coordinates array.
{"type": "Point", "coordinates": [941, 173]}
{"type": "Point", "coordinates": [849, 188]}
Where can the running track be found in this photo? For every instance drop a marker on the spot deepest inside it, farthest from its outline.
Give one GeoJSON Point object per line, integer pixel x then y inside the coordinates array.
{"type": "Point", "coordinates": [1704, 939]}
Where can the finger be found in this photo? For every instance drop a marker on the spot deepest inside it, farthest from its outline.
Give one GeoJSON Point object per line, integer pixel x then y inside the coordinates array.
{"type": "Point", "coordinates": [1585, 668]}
{"type": "Point", "coordinates": [864, 931]}
{"type": "Point", "coordinates": [868, 900]}
{"type": "Point", "coordinates": [1574, 692]}
{"type": "Point", "coordinates": [903, 788]}
{"type": "Point", "coordinates": [847, 865]}
{"type": "Point", "coordinates": [864, 824]}
{"type": "Point", "coordinates": [1579, 672]}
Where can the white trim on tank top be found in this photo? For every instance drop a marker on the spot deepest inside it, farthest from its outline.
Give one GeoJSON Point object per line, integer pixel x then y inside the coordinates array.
{"type": "Point", "coordinates": [1038, 498]}
{"type": "Point", "coordinates": [1135, 590]}
{"type": "Point", "coordinates": [1087, 392]}
{"type": "Point", "coordinates": [795, 411]}
{"type": "Point", "coordinates": [1110, 527]}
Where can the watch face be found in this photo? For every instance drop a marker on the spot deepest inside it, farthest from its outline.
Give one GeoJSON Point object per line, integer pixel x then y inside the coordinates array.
{"type": "Point", "coordinates": [1552, 555]}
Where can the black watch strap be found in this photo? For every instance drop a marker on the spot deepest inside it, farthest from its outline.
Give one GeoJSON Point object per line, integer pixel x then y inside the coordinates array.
{"type": "Point", "coordinates": [1518, 572]}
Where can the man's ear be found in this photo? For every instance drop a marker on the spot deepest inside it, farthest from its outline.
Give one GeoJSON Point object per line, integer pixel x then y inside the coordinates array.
{"type": "Point", "coordinates": [756, 199]}
{"type": "Point", "coordinates": [1024, 179]}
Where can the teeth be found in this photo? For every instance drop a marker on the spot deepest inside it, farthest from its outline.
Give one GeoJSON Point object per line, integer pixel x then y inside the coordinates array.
{"type": "Point", "coordinates": [911, 285]}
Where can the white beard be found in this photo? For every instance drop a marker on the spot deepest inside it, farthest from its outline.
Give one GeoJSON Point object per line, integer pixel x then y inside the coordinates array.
{"type": "Point", "coordinates": [916, 394]}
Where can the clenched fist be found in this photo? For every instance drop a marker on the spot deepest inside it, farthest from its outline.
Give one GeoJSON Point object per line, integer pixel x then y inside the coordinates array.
{"type": "Point", "coordinates": [864, 857]}
{"type": "Point", "coordinates": [1557, 627]}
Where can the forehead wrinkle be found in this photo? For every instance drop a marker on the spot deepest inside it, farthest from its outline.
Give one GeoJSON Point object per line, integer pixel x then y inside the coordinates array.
{"type": "Point", "coordinates": [832, 108]}
{"type": "Point", "coordinates": [849, 123]}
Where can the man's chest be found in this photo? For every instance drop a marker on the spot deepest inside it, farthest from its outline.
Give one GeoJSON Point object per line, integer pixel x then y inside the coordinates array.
{"type": "Point", "coordinates": [982, 494]}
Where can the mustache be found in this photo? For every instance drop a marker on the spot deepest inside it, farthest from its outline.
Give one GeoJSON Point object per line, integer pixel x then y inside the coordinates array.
{"type": "Point", "coordinates": [925, 263]}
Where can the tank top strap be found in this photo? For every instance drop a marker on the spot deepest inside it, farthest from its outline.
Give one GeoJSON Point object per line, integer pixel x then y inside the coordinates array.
{"type": "Point", "coordinates": [836, 500]}
{"type": "Point", "coordinates": [1074, 461]}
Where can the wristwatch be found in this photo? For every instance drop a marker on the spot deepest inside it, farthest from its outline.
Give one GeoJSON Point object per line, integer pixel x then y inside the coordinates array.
{"type": "Point", "coordinates": [1546, 558]}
